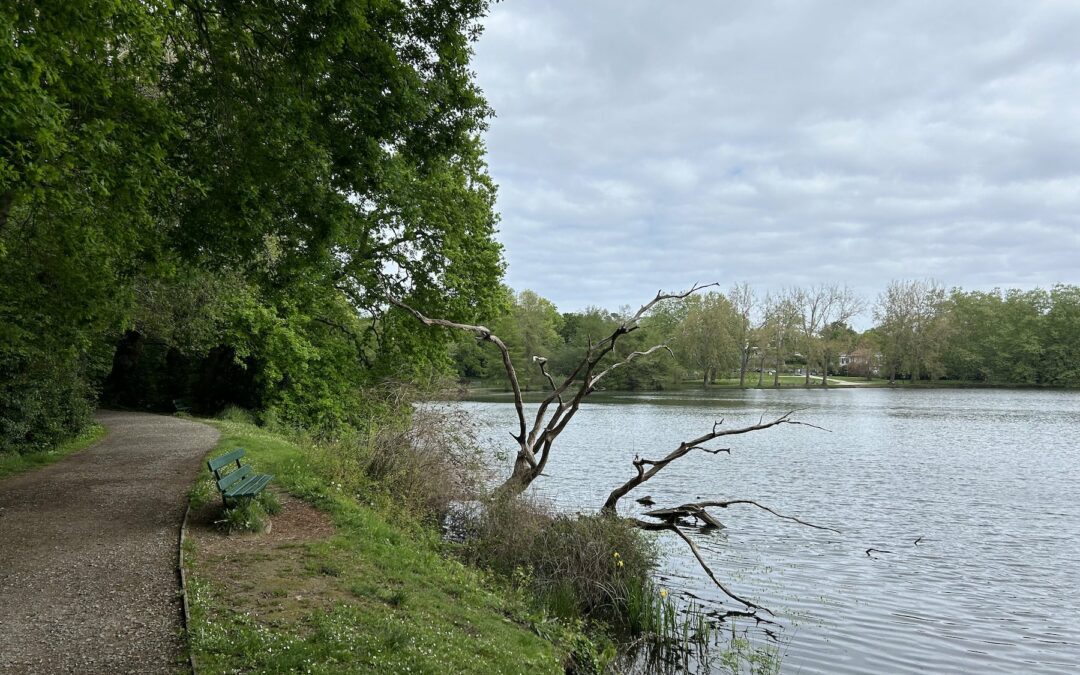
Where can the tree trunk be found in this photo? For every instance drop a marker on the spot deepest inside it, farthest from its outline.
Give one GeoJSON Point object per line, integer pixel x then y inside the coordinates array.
{"type": "Point", "coordinates": [776, 370]}
{"type": "Point", "coordinates": [825, 369]}
{"type": "Point", "coordinates": [742, 368]}
{"type": "Point", "coordinates": [761, 370]}
{"type": "Point", "coordinates": [518, 481]}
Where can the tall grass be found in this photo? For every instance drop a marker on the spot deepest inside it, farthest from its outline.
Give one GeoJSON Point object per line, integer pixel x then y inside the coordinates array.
{"type": "Point", "coordinates": [415, 461]}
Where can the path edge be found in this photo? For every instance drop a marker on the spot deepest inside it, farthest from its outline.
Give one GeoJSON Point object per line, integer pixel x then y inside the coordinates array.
{"type": "Point", "coordinates": [183, 589]}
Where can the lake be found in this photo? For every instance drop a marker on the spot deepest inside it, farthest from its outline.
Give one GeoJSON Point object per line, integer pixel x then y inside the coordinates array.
{"type": "Point", "coordinates": [986, 481]}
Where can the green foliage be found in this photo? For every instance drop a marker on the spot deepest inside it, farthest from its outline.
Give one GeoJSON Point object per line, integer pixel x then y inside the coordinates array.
{"type": "Point", "coordinates": [1061, 337]}
{"type": "Point", "coordinates": [246, 515]}
{"type": "Point", "coordinates": [226, 192]}
{"type": "Point", "coordinates": [591, 567]}
{"type": "Point", "coordinates": [706, 336]}
{"type": "Point", "coordinates": [12, 463]}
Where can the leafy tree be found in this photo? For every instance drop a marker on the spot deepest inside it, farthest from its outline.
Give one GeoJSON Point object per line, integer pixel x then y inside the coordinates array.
{"type": "Point", "coordinates": [530, 329]}
{"type": "Point", "coordinates": [779, 330]}
{"type": "Point", "coordinates": [836, 338]}
{"type": "Point", "coordinates": [317, 155]}
{"type": "Point", "coordinates": [911, 328]}
{"type": "Point", "coordinates": [85, 188]}
{"type": "Point", "coordinates": [705, 341]}
{"type": "Point", "coordinates": [743, 301]}
{"type": "Point", "coordinates": [1061, 335]}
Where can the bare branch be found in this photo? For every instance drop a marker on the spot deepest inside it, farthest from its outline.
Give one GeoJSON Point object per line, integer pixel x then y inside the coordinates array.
{"type": "Point", "coordinates": [682, 450]}
{"type": "Point", "coordinates": [660, 297]}
{"type": "Point", "coordinates": [708, 570]}
{"type": "Point", "coordinates": [629, 357]}
{"type": "Point", "coordinates": [483, 333]}
{"type": "Point", "coordinates": [693, 509]}
{"type": "Point", "coordinates": [542, 362]}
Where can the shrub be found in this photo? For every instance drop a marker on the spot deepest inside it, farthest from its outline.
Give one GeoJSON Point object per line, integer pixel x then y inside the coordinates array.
{"type": "Point", "coordinates": [423, 459]}
{"type": "Point", "coordinates": [246, 515]}
{"type": "Point", "coordinates": [43, 401]}
{"type": "Point", "coordinates": [591, 566]}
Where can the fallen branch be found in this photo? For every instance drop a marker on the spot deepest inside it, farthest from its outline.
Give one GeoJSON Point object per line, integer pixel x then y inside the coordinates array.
{"type": "Point", "coordinates": [695, 508]}
{"type": "Point", "coordinates": [708, 570]}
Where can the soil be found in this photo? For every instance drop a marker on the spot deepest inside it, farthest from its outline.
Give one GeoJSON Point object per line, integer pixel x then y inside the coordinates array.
{"type": "Point", "coordinates": [274, 575]}
{"type": "Point", "coordinates": [88, 552]}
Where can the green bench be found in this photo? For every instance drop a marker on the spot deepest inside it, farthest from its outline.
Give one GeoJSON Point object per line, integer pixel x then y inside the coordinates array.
{"type": "Point", "coordinates": [240, 482]}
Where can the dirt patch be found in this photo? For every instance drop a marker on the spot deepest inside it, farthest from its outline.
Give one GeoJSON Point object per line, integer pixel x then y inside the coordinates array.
{"type": "Point", "coordinates": [275, 576]}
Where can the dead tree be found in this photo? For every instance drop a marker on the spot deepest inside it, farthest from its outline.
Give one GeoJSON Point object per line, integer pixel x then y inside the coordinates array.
{"type": "Point", "coordinates": [536, 437]}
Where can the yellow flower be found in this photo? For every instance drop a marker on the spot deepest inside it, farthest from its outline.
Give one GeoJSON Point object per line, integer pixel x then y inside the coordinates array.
{"type": "Point", "coordinates": [620, 563]}
{"type": "Point", "coordinates": [615, 554]}
{"type": "Point", "coordinates": [663, 592]}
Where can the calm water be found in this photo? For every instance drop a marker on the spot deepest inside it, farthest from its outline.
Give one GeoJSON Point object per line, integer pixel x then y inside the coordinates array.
{"type": "Point", "coordinates": [989, 480]}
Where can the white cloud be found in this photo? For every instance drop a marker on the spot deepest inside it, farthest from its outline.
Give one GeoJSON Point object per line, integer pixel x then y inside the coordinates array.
{"type": "Point", "coordinates": [640, 146]}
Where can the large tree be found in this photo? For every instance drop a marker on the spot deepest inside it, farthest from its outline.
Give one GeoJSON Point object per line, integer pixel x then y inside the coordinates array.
{"type": "Point", "coordinates": [743, 302]}
{"type": "Point", "coordinates": [85, 189]}
{"type": "Point", "coordinates": [323, 154]}
{"type": "Point", "coordinates": [911, 328]}
{"type": "Point", "coordinates": [705, 341]}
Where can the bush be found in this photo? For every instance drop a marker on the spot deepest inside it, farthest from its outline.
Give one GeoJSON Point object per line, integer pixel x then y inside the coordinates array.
{"type": "Point", "coordinates": [43, 401]}
{"type": "Point", "coordinates": [423, 459]}
{"type": "Point", "coordinates": [591, 566]}
{"type": "Point", "coordinates": [246, 515]}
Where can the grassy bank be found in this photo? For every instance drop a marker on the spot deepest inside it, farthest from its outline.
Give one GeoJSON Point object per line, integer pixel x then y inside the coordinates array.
{"type": "Point", "coordinates": [364, 590]}
{"type": "Point", "coordinates": [13, 463]}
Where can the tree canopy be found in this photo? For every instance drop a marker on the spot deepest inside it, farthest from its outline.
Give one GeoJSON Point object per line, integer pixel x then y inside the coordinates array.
{"type": "Point", "coordinates": [211, 199]}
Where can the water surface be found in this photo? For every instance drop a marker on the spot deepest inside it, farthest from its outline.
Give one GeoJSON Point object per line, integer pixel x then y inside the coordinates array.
{"type": "Point", "coordinates": [986, 481]}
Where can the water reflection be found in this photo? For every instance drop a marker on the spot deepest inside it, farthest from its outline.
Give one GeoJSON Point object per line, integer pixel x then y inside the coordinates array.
{"type": "Point", "coordinates": [984, 481]}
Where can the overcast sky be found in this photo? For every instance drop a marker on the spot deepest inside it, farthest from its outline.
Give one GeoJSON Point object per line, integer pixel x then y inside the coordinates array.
{"type": "Point", "coordinates": [646, 145]}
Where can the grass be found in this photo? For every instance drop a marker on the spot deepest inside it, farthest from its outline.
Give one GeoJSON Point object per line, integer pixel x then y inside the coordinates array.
{"type": "Point", "coordinates": [15, 463]}
{"type": "Point", "coordinates": [376, 595]}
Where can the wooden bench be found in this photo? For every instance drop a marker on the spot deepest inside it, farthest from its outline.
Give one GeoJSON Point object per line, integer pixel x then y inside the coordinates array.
{"type": "Point", "coordinates": [240, 482]}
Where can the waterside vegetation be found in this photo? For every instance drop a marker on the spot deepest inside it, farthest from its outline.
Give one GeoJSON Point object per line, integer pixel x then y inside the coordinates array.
{"type": "Point", "coordinates": [367, 583]}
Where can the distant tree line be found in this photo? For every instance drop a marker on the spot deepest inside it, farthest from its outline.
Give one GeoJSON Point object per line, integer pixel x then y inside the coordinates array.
{"type": "Point", "coordinates": [209, 201]}
{"type": "Point", "coordinates": [921, 333]}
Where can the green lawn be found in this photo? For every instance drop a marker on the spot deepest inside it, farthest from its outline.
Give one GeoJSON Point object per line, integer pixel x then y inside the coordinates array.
{"type": "Point", "coordinates": [13, 463]}
{"type": "Point", "coordinates": [388, 599]}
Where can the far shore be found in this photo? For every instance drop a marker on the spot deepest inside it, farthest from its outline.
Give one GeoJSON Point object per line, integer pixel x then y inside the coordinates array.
{"type": "Point", "coordinates": [479, 389]}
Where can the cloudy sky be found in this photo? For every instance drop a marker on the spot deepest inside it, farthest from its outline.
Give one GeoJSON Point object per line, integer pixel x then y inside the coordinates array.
{"type": "Point", "coordinates": [645, 145]}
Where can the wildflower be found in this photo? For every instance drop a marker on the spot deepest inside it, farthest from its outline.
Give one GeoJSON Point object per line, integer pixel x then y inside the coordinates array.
{"type": "Point", "coordinates": [615, 554]}
{"type": "Point", "coordinates": [663, 592]}
{"type": "Point", "coordinates": [619, 563]}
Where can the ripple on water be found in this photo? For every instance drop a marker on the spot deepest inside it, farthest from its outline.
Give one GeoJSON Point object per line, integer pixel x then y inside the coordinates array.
{"type": "Point", "coordinates": [984, 480]}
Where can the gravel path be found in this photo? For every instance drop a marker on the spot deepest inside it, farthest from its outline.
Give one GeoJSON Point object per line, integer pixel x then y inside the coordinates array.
{"type": "Point", "coordinates": [88, 579]}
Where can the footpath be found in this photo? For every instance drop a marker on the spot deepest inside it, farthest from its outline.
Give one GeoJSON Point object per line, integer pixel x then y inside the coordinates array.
{"type": "Point", "coordinates": [88, 551]}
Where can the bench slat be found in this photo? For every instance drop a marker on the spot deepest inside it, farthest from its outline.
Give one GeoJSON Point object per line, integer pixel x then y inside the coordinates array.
{"type": "Point", "coordinates": [233, 456]}
{"type": "Point", "coordinates": [233, 477]}
{"type": "Point", "coordinates": [252, 486]}
{"type": "Point", "coordinates": [240, 488]}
